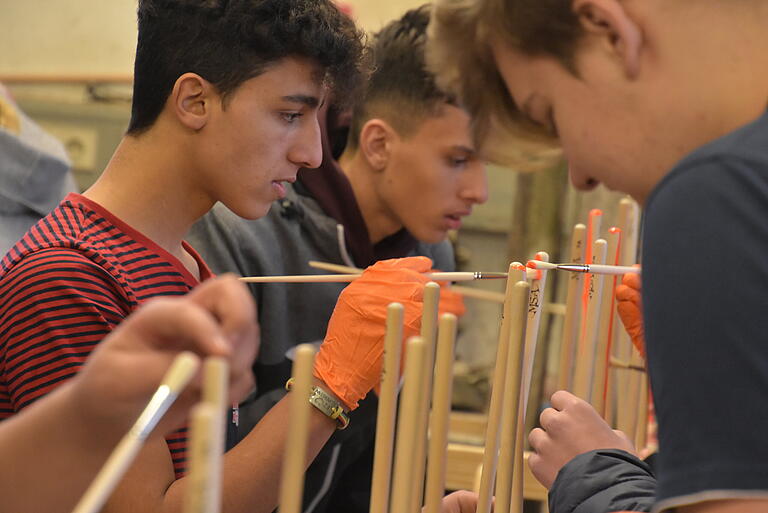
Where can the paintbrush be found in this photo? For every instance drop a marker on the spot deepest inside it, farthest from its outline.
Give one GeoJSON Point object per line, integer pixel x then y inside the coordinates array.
{"type": "Point", "coordinates": [584, 268]}
{"type": "Point", "coordinates": [344, 278]}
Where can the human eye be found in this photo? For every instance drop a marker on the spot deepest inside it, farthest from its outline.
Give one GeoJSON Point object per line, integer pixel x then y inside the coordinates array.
{"type": "Point", "coordinates": [457, 162]}
{"type": "Point", "coordinates": [290, 117]}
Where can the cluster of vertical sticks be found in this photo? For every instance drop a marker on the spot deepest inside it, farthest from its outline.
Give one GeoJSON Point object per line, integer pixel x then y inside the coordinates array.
{"type": "Point", "coordinates": [206, 441]}
{"type": "Point", "coordinates": [597, 360]}
{"type": "Point", "coordinates": [409, 468]}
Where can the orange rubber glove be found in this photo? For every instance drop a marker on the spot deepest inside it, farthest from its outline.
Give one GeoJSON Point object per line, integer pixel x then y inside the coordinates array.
{"type": "Point", "coordinates": [350, 358]}
{"type": "Point", "coordinates": [630, 307]}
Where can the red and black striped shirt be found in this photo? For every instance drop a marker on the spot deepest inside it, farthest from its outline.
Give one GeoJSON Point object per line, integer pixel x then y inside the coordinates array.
{"type": "Point", "coordinates": [71, 279]}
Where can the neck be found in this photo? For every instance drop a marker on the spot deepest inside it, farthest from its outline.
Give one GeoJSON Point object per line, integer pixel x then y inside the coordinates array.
{"type": "Point", "coordinates": [150, 185]}
{"type": "Point", "coordinates": [379, 219]}
{"type": "Point", "coordinates": [706, 66]}
{"type": "Point", "coordinates": [731, 58]}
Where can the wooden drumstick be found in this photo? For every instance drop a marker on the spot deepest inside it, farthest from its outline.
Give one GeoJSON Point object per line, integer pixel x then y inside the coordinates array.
{"type": "Point", "coordinates": [385, 420]}
{"type": "Point", "coordinates": [408, 424]}
{"type": "Point", "coordinates": [295, 457]}
{"type": "Point", "coordinates": [207, 436]}
{"type": "Point", "coordinates": [627, 384]}
{"type": "Point", "coordinates": [175, 380]}
{"type": "Point", "coordinates": [518, 313]}
{"type": "Point", "coordinates": [571, 323]}
{"type": "Point", "coordinates": [491, 451]}
{"type": "Point", "coordinates": [605, 331]}
{"type": "Point", "coordinates": [429, 334]}
{"type": "Point", "coordinates": [535, 304]}
{"type": "Point", "coordinates": [441, 409]}
{"type": "Point", "coordinates": [582, 383]}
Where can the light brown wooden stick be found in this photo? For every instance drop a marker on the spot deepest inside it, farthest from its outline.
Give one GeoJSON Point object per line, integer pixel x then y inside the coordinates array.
{"type": "Point", "coordinates": [518, 471]}
{"type": "Point", "coordinates": [572, 324]}
{"type": "Point", "coordinates": [200, 492]}
{"type": "Point", "coordinates": [518, 314]}
{"type": "Point", "coordinates": [295, 457]}
{"type": "Point", "coordinates": [490, 454]}
{"type": "Point", "coordinates": [441, 409]}
{"type": "Point", "coordinates": [474, 293]}
{"type": "Point", "coordinates": [346, 278]}
{"type": "Point", "coordinates": [641, 434]}
{"type": "Point", "coordinates": [408, 424]}
{"type": "Point", "coordinates": [429, 334]}
{"type": "Point", "coordinates": [177, 377]}
{"type": "Point", "coordinates": [207, 439]}
{"type": "Point", "coordinates": [336, 268]}
{"type": "Point", "coordinates": [605, 330]}
{"type": "Point", "coordinates": [627, 384]}
{"type": "Point", "coordinates": [385, 420]}
{"type": "Point", "coordinates": [535, 307]}
{"type": "Point", "coordinates": [582, 384]}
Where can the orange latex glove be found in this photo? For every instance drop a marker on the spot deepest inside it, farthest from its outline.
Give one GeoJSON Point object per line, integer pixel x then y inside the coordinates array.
{"type": "Point", "coordinates": [350, 358]}
{"type": "Point", "coordinates": [630, 307]}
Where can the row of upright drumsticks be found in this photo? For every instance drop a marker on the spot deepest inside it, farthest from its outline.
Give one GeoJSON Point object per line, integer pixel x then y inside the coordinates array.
{"type": "Point", "coordinates": [412, 437]}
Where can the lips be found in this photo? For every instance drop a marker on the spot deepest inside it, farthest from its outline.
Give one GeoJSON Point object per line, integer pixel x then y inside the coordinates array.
{"type": "Point", "coordinates": [453, 220]}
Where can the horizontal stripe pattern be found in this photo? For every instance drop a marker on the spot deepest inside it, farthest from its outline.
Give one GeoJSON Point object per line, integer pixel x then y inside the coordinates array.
{"type": "Point", "coordinates": [64, 286]}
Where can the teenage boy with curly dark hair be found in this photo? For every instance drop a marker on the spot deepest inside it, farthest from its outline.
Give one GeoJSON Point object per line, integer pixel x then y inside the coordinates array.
{"type": "Point", "coordinates": [408, 174]}
{"type": "Point", "coordinates": [225, 105]}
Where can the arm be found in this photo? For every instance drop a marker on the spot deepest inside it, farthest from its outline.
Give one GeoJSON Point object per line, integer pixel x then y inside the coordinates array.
{"type": "Point", "coordinates": [587, 465]}
{"type": "Point", "coordinates": [77, 426]}
{"type": "Point", "coordinates": [727, 506]}
{"type": "Point", "coordinates": [348, 364]}
{"type": "Point", "coordinates": [706, 357]}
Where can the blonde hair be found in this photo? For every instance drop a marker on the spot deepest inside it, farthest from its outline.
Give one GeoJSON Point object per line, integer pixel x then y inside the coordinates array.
{"type": "Point", "coordinates": [459, 53]}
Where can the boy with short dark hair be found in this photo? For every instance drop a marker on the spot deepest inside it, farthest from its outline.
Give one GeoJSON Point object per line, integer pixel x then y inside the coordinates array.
{"type": "Point", "coordinates": [408, 174]}
{"type": "Point", "coordinates": [664, 100]}
{"type": "Point", "coordinates": [225, 109]}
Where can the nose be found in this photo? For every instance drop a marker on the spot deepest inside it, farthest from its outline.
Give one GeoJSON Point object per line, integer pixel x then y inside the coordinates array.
{"type": "Point", "coordinates": [307, 148]}
{"type": "Point", "coordinates": [581, 181]}
{"type": "Point", "coordinates": [474, 186]}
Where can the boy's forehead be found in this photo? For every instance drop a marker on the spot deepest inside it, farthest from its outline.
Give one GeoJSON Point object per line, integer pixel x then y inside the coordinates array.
{"type": "Point", "coordinates": [449, 126]}
{"type": "Point", "coordinates": [295, 77]}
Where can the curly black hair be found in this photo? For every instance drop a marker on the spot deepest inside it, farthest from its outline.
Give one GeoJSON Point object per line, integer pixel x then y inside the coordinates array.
{"type": "Point", "coordinates": [400, 88]}
{"type": "Point", "coordinates": [230, 41]}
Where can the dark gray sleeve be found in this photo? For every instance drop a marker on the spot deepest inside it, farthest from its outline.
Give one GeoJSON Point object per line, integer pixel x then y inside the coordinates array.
{"type": "Point", "coordinates": [603, 481]}
{"type": "Point", "coordinates": [216, 237]}
{"type": "Point", "coordinates": [441, 254]}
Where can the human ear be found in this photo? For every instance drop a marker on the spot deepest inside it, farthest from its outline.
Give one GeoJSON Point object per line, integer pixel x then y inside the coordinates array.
{"type": "Point", "coordinates": [375, 143]}
{"type": "Point", "coordinates": [191, 98]}
{"type": "Point", "coordinates": [610, 19]}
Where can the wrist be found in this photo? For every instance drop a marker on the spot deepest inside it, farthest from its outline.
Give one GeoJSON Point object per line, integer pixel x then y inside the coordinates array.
{"type": "Point", "coordinates": [317, 382]}
{"type": "Point", "coordinates": [325, 403]}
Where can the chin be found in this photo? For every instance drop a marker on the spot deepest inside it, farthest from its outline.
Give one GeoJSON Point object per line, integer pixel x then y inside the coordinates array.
{"type": "Point", "coordinates": [431, 236]}
{"type": "Point", "coordinates": [251, 210]}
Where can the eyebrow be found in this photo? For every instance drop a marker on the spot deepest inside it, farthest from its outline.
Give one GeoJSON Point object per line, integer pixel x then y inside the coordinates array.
{"type": "Point", "coordinates": [304, 99]}
{"type": "Point", "coordinates": [465, 149]}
